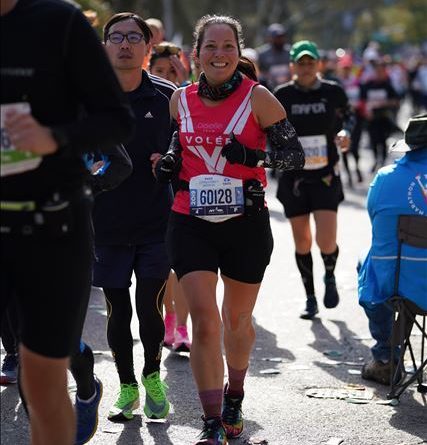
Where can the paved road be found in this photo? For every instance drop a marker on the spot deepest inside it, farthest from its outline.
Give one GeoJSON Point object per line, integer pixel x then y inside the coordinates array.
{"type": "Point", "coordinates": [277, 409]}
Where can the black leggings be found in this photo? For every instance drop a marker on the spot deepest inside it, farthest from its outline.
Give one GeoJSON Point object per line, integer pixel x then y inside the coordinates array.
{"type": "Point", "coordinates": [149, 300]}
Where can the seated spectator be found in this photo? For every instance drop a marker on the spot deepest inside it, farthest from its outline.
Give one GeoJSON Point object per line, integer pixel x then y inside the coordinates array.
{"type": "Point", "coordinates": [398, 189]}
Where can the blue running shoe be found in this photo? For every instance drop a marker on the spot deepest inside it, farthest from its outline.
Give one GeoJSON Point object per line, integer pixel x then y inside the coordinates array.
{"type": "Point", "coordinates": [87, 415]}
{"type": "Point", "coordinates": [9, 369]}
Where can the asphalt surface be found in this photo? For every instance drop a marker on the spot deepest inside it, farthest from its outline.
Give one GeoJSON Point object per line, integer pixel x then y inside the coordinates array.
{"type": "Point", "coordinates": [288, 361]}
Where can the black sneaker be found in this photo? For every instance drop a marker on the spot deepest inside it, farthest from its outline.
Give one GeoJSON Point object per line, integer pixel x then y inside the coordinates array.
{"type": "Point", "coordinates": [213, 432]}
{"type": "Point", "coordinates": [310, 308]}
{"type": "Point", "coordinates": [331, 297]}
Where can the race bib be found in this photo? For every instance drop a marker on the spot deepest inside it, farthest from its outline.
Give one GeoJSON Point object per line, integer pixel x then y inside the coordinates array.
{"type": "Point", "coordinates": [12, 161]}
{"type": "Point", "coordinates": [216, 198]}
{"type": "Point", "coordinates": [315, 150]}
{"type": "Point", "coordinates": [377, 95]}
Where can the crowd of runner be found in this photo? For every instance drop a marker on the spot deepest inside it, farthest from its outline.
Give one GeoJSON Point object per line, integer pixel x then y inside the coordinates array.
{"type": "Point", "coordinates": [151, 162]}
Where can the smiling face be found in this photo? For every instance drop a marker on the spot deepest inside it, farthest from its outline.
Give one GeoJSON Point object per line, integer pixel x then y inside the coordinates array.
{"type": "Point", "coordinates": [219, 53]}
{"type": "Point", "coordinates": [125, 55]}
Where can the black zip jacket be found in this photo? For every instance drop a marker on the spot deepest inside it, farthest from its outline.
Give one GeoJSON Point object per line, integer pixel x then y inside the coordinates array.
{"type": "Point", "coordinates": [137, 210]}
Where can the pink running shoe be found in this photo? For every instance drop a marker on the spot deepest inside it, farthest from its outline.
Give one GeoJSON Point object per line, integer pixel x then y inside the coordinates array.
{"type": "Point", "coordinates": [182, 342]}
{"type": "Point", "coordinates": [170, 326]}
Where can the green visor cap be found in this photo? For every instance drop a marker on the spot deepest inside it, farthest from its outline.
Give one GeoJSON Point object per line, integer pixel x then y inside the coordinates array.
{"type": "Point", "coordinates": [304, 48]}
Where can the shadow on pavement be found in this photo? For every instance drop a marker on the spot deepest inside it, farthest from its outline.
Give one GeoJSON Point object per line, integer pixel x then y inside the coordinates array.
{"type": "Point", "coordinates": [346, 351]}
{"type": "Point", "coordinates": [131, 432]}
{"type": "Point", "coordinates": [158, 431]}
{"type": "Point", "coordinates": [266, 349]}
{"type": "Point", "coordinates": [410, 415]}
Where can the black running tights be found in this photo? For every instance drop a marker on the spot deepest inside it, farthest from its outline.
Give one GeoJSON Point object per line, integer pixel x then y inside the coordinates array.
{"type": "Point", "coordinates": [149, 300]}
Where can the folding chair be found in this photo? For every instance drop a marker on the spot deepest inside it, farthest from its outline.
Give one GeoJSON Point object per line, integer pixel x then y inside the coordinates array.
{"type": "Point", "coordinates": [412, 230]}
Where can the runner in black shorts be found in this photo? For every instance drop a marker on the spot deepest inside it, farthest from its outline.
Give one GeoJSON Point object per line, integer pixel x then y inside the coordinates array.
{"type": "Point", "coordinates": [320, 113]}
{"type": "Point", "coordinates": [219, 221]}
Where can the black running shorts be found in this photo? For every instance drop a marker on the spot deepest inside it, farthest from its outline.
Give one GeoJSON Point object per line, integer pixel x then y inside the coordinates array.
{"type": "Point", "coordinates": [114, 265]}
{"type": "Point", "coordinates": [239, 247]}
{"type": "Point", "coordinates": [303, 196]}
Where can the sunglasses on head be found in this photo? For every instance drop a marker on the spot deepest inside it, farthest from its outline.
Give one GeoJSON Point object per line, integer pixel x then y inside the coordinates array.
{"type": "Point", "coordinates": [171, 49]}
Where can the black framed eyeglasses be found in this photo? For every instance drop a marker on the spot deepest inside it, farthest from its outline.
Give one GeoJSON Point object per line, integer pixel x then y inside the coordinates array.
{"type": "Point", "coordinates": [132, 37]}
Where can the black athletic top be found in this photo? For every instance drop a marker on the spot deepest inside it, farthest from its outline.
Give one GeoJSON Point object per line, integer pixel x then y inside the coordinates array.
{"type": "Point", "coordinates": [319, 111]}
{"type": "Point", "coordinates": [51, 57]}
{"type": "Point", "coordinates": [137, 210]}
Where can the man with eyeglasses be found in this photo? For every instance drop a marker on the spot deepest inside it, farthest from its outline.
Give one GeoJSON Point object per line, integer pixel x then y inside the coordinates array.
{"type": "Point", "coordinates": [130, 224]}
{"type": "Point", "coordinates": [59, 99]}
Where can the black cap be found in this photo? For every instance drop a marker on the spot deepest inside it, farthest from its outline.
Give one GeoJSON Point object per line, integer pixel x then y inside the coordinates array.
{"type": "Point", "coordinates": [415, 135]}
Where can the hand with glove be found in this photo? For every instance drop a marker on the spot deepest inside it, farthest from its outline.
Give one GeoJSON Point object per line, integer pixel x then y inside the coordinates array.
{"type": "Point", "coordinates": [237, 153]}
{"type": "Point", "coordinates": [169, 165]}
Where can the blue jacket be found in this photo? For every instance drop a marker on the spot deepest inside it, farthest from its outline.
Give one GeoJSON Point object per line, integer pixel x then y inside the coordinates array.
{"type": "Point", "coordinates": [398, 189]}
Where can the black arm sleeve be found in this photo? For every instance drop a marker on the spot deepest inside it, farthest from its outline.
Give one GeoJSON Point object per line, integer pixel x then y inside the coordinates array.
{"type": "Point", "coordinates": [119, 169]}
{"type": "Point", "coordinates": [287, 152]}
{"type": "Point", "coordinates": [107, 119]}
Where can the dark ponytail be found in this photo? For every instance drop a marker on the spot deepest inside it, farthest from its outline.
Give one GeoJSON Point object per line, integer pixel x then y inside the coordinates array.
{"type": "Point", "coordinates": [247, 67]}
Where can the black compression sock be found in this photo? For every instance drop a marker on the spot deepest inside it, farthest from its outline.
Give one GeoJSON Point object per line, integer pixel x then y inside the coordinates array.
{"type": "Point", "coordinates": [330, 261]}
{"type": "Point", "coordinates": [305, 266]}
{"type": "Point", "coordinates": [81, 366]}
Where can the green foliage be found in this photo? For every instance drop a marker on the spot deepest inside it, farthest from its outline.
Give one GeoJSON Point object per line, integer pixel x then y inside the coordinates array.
{"type": "Point", "coordinates": [331, 23]}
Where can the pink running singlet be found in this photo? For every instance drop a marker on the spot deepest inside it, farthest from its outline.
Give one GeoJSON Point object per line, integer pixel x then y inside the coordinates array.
{"type": "Point", "coordinates": [205, 130]}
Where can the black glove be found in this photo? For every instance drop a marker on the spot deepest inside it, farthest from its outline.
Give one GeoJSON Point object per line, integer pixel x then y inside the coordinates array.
{"type": "Point", "coordinates": [237, 153]}
{"type": "Point", "coordinates": [168, 167]}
